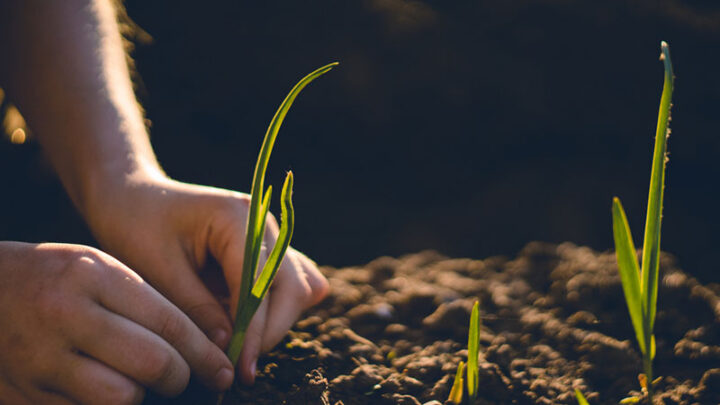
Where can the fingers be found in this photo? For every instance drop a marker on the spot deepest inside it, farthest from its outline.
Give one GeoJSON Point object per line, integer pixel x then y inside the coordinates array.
{"type": "Point", "coordinates": [123, 293]}
{"type": "Point", "coordinates": [133, 351]}
{"type": "Point", "coordinates": [319, 285]}
{"type": "Point", "coordinates": [297, 286]}
{"type": "Point", "coordinates": [92, 383]}
{"type": "Point", "coordinates": [289, 297]}
{"type": "Point", "coordinates": [190, 295]}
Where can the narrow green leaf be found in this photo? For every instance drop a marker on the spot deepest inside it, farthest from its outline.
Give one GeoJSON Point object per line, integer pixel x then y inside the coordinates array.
{"type": "Point", "coordinates": [456, 392]}
{"type": "Point", "coordinates": [651, 246]}
{"type": "Point", "coordinates": [251, 293]}
{"type": "Point", "coordinates": [580, 397]}
{"type": "Point", "coordinates": [252, 302]}
{"type": "Point", "coordinates": [628, 269]}
{"type": "Point", "coordinates": [652, 347]}
{"type": "Point", "coordinates": [251, 244]}
{"type": "Point", "coordinates": [287, 225]}
{"type": "Point", "coordinates": [260, 231]}
{"type": "Point", "coordinates": [473, 352]}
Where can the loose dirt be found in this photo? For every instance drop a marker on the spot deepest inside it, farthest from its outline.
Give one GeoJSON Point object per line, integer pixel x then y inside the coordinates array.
{"type": "Point", "coordinates": [554, 319]}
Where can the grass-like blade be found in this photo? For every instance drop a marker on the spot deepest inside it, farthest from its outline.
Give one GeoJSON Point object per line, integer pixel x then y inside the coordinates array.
{"type": "Point", "coordinates": [252, 246]}
{"type": "Point", "coordinates": [264, 208]}
{"type": "Point", "coordinates": [253, 291]}
{"type": "Point", "coordinates": [625, 250]}
{"type": "Point", "coordinates": [283, 241]}
{"type": "Point", "coordinates": [473, 352]}
{"type": "Point", "coordinates": [252, 302]}
{"type": "Point", "coordinates": [580, 397]}
{"type": "Point", "coordinates": [628, 269]}
{"type": "Point", "coordinates": [456, 392]}
{"type": "Point", "coordinates": [651, 246]}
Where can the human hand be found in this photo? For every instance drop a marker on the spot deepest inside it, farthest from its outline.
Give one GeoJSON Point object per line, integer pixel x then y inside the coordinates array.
{"type": "Point", "coordinates": [166, 229]}
{"type": "Point", "coordinates": [77, 326]}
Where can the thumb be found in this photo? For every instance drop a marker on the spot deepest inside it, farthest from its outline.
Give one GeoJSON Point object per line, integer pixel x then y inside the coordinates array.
{"type": "Point", "coordinates": [189, 293]}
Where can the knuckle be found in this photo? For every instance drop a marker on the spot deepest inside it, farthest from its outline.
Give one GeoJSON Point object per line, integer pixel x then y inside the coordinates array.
{"type": "Point", "coordinates": [232, 204]}
{"type": "Point", "coordinates": [157, 367]}
{"type": "Point", "coordinates": [82, 264]}
{"type": "Point", "coordinates": [172, 328]}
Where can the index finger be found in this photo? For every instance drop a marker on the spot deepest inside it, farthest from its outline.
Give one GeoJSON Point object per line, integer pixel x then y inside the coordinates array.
{"type": "Point", "coordinates": [122, 291]}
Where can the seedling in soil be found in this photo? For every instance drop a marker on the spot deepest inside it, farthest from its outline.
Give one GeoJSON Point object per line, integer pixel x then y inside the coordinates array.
{"type": "Point", "coordinates": [471, 369]}
{"type": "Point", "coordinates": [580, 397]}
{"type": "Point", "coordinates": [640, 285]}
{"type": "Point", "coordinates": [456, 392]}
{"type": "Point", "coordinates": [252, 289]}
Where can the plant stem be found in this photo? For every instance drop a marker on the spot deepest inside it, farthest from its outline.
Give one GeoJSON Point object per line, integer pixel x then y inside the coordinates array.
{"type": "Point", "coordinates": [647, 365]}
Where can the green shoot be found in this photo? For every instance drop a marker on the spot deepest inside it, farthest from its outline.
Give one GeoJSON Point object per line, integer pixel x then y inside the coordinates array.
{"type": "Point", "coordinates": [640, 284]}
{"type": "Point", "coordinates": [473, 352]}
{"type": "Point", "coordinates": [580, 397]}
{"type": "Point", "coordinates": [254, 287]}
{"type": "Point", "coordinates": [456, 392]}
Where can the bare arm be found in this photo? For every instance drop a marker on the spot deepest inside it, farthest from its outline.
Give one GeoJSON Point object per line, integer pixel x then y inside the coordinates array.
{"type": "Point", "coordinates": [66, 70]}
{"type": "Point", "coordinates": [69, 76]}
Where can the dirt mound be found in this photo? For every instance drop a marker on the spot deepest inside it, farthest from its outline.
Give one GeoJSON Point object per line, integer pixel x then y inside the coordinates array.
{"type": "Point", "coordinates": [554, 319]}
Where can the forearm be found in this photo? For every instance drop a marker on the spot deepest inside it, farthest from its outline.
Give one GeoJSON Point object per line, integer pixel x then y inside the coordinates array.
{"type": "Point", "coordinates": [65, 67]}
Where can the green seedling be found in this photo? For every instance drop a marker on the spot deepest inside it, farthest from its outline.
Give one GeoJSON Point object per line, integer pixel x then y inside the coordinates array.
{"type": "Point", "coordinates": [640, 285]}
{"type": "Point", "coordinates": [472, 375]}
{"type": "Point", "coordinates": [580, 397]}
{"type": "Point", "coordinates": [254, 287]}
{"type": "Point", "coordinates": [456, 392]}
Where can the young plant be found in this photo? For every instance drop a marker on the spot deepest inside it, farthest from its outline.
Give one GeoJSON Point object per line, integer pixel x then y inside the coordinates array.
{"type": "Point", "coordinates": [456, 392]}
{"type": "Point", "coordinates": [640, 284]}
{"type": "Point", "coordinates": [252, 289]}
{"type": "Point", "coordinates": [580, 397]}
{"type": "Point", "coordinates": [473, 375]}
{"type": "Point", "coordinates": [471, 380]}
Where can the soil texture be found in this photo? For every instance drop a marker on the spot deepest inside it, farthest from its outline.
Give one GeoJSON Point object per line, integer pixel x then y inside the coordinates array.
{"type": "Point", "coordinates": [554, 319]}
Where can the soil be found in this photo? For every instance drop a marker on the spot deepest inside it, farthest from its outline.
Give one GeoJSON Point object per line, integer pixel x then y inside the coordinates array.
{"type": "Point", "coordinates": [554, 319]}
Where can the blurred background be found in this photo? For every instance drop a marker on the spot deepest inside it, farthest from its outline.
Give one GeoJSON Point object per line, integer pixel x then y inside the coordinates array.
{"type": "Point", "coordinates": [469, 127]}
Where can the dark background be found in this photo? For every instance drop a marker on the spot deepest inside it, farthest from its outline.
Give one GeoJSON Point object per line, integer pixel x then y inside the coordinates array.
{"type": "Point", "coordinates": [470, 127]}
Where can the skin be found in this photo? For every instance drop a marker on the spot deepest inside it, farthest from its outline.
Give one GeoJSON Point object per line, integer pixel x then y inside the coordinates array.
{"type": "Point", "coordinates": [63, 64]}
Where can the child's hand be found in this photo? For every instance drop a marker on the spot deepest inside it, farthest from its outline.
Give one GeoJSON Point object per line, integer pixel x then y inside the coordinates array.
{"type": "Point", "coordinates": [165, 230]}
{"type": "Point", "coordinates": [77, 326]}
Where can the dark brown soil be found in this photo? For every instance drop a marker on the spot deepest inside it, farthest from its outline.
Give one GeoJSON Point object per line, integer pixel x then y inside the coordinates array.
{"type": "Point", "coordinates": [554, 319]}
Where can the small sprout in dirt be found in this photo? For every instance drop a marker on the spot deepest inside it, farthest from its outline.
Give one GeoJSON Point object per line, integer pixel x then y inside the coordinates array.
{"type": "Point", "coordinates": [640, 285]}
{"type": "Point", "coordinates": [473, 352]}
{"type": "Point", "coordinates": [456, 392]}
{"type": "Point", "coordinates": [253, 286]}
{"type": "Point", "coordinates": [391, 355]}
{"type": "Point", "coordinates": [580, 397]}
{"type": "Point", "coordinates": [471, 379]}
{"type": "Point", "coordinates": [629, 401]}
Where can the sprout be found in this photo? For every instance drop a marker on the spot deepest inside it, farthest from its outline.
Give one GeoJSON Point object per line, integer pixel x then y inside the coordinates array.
{"type": "Point", "coordinates": [473, 352]}
{"type": "Point", "coordinates": [456, 392]}
{"type": "Point", "coordinates": [640, 284]}
{"type": "Point", "coordinates": [580, 397]}
{"type": "Point", "coordinates": [472, 368]}
{"type": "Point", "coordinates": [252, 290]}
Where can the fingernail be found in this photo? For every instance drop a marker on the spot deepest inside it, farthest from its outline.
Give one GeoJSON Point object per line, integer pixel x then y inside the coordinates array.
{"type": "Point", "coordinates": [253, 368]}
{"type": "Point", "coordinates": [219, 337]}
{"type": "Point", "coordinates": [224, 378]}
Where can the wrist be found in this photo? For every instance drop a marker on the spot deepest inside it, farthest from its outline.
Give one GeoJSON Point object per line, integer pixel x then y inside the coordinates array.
{"type": "Point", "coordinates": [106, 191]}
